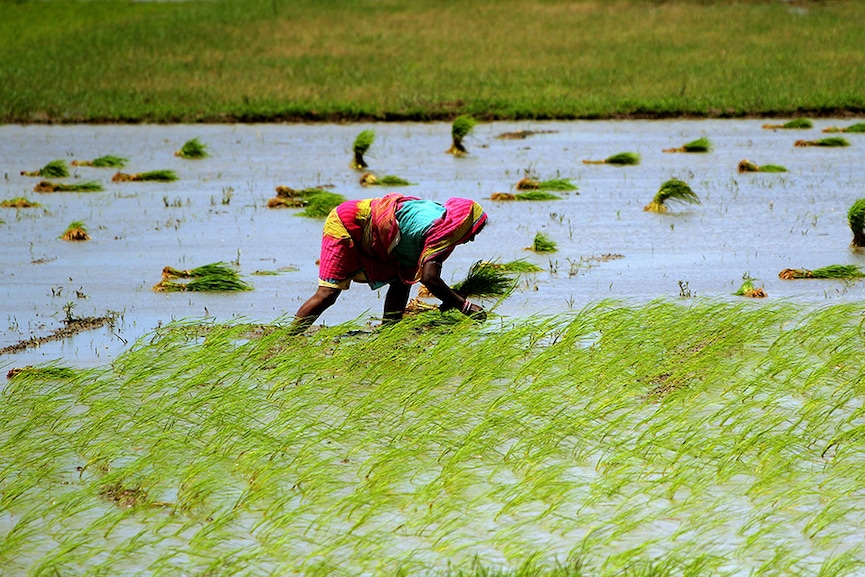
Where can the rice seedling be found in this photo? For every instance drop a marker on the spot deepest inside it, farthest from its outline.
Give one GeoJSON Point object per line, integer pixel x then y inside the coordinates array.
{"type": "Point", "coordinates": [19, 202]}
{"type": "Point", "coordinates": [832, 141]}
{"type": "Point", "coordinates": [749, 290]}
{"type": "Point", "coordinates": [700, 145]}
{"type": "Point", "coordinates": [149, 176]}
{"type": "Point", "coordinates": [859, 127]}
{"type": "Point", "coordinates": [361, 145]}
{"type": "Point", "coordinates": [76, 231]}
{"type": "Point", "coordinates": [798, 123]}
{"type": "Point", "coordinates": [106, 161]}
{"type": "Point", "coordinates": [558, 184]}
{"type": "Point", "coordinates": [217, 268]}
{"type": "Point", "coordinates": [532, 195]}
{"type": "Point", "coordinates": [834, 271]}
{"type": "Point", "coordinates": [543, 243]}
{"type": "Point", "coordinates": [748, 166]}
{"type": "Point", "coordinates": [217, 276]}
{"type": "Point", "coordinates": [484, 280]}
{"type": "Point", "coordinates": [620, 159]}
{"type": "Point", "coordinates": [48, 372]}
{"type": "Point", "coordinates": [369, 179]}
{"type": "Point", "coordinates": [54, 169]}
{"type": "Point", "coordinates": [320, 204]}
{"type": "Point", "coordinates": [48, 186]}
{"type": "Point", "coordinates": [514, 266]}
{"type": "Point", "coordinates": [673, 190]}
{"type": "Point", "coordinates": [460, 128]}
{"type": "Point", "coordinates": [192, 149]}
{"type": "Point", "coordinates": [856, 220]}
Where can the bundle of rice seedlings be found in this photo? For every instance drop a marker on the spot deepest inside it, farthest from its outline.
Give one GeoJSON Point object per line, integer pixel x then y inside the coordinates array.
{"type": "Point", "coordinates": [151, 176]}
{"type": "Point", "coordinates": [859, 127]}
{"type": "Point", "coordinates": [461, 127]}
{"type": "Point", "coordinates": [748, 166]}
{"type": "Point", "coordinates": [522, 134]}
{"type": "Point", "coordinates": [484, 280]}
{"type": "Point", "coordinates": [856, 220]}
{"type": "Point", "coordinates": [192, 149]}
{"type": "Point", "coordinates": [41, 372]}
{"type": "Point", "coordinates": [834, 271]}
{"type": "Point", "coordinates": [107, 161]}
{"type": "Point", "coordinates": [562, 184]}
{"type": "Point", "coordinates": [798, 123]}
{"type": "Point", "coordinates": [518, 266]}
{"type": "Point", "coordinates": [416, 306]}
{"type": "Point", "coordinates": [320, 204]}
{"type": "Point", "coordinates": [503, 196]}
{"type": "Point", "coordinates": [699, 145]}
{"type": "Point", "coordinates": [286, 202]}
{"type": "Point", "coordinates": [75, 231]}
{"type": "Point", "coordinates": [674, 190]}
{"type": "Point", "coordinates": [89, 186]}
{"type": "Point", "coordinates": [530, 195]}
{"type": "Point", "coordinates": [543, 243]}
{"type": "Point", "coordinates": [749, 290]}
{"type": "Point", "coordinates": [215, 268]}
{"type": "Point", "coordinates": [620, 159]}
{"type": "Point", "coordinates": [208, 278]}
{"type": "Point", "coordinates": [830, 141]}
{"type": "Point", "coordinates": [54, 169]}
{"type": "Point", "coordinates": [369, 179]}
{"type": "Point", "coordinates": [361, 144]}
{"type": "Point", "coordinates": [19, 202]}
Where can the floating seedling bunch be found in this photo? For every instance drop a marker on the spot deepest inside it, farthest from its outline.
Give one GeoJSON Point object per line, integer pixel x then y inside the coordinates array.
{"type": "Point", "coordinates": [370, 179]}
{"type": "Point", "coordinates": [796, 124]}
{"type": "Point", "coordinates": [543, 243]}
{"type": "Point", "coordinates": [54, 169]}
{"type": "Point", "coordinates": [360, 147]}
{"type": "Point", "coordinates": [149, 176]}
{"type": "Point", "coordinates": [316, 202]}
{"type": "Point", "coordinates": [856, 220]}
{"type": "Point", "coordinates": [833, 271]}
{"type": "Point", "coordinates": [214, 277]}
{"type": "Point", "coordinates": [748, 289]}
{"type": "Point", "coordinates": [192, 149]}
{"type": "Point", "coordinates": [557, 184]}
{"type": "Point", "coordinates": [748, 166]}
{"type": "Point", "coordinates": [620, 159]}
{"type": "Point", "coordinates": [460, 129]}
{"type": "Point", "coordinates": [829, 142]}
{"type": "Point", "coordinates": [700, 145]}
{"type": "Point", "coordinates": [76, 231]}
{"type": "Point", "coordinates": [106, 161]}
{"type": "Point", "coordinates": [857, 128]}
{"type": "Point", "coordinates": [673, 190]}
{"type": "Point", "coordinates": [19, 202]}
{"type": "Point", "coordinates": [48, 186]}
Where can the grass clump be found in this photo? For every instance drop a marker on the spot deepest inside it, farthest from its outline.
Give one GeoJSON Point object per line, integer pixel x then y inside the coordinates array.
{"type": "Point", "coordinates": [460, 128]}
{"type": "Point", "coordinates": [748, 166]}
{"type": "Point", "coordinates": [673, 190]}
{"type": "Point", "coordinates": [859, 128]}
{"type": "Point", "coordinates": [48, 186]}
{"type": "Point", "coordinates": [856, 220]}
{"type": "Point", "coordinates": [832, 141]}
{"type": "Point", "coordinates": [833, 271]}
{"type": "Point", "coordinates": [749, 290]}
{"type": "Point", "coordinates": [213, 277]}
{"type": "Point", "coordinates": [543, 243]}
{"type": "Point", "coordinates": [700, 145]}
{"type": "Point", "coordinates": [192, 149]}
{"type": "Point", "coordinates": [369, 179]}
{"type": "Point", "coordinates": [149, 176]}
{"type": "Point", "coordinates": [362, 143]}
{"type": "Point", "coordinates": [106, 161]}
{"type": "Point", "coordinates": [19, 202]}
{"type": "Point", "coordinates": [620, 159]}
{"type": "Point", "coordinates": [54, 169]}
{"type": "Point", "coordinates": [798, 123]}
{"type": "Point", "coordinates": [76, 231]}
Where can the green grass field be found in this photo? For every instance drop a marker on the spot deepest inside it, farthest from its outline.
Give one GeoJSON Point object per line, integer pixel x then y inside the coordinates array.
{"type": "Point", "coordinates": [260, 60]}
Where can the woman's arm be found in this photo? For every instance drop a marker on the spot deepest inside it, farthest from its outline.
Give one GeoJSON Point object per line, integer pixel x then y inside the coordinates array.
{"type": "Point", "coordinates": [431, 278]}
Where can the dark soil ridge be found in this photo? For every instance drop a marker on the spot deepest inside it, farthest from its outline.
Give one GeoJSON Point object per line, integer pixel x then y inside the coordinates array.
{"type": "Point", "coordinates": [72, 328]}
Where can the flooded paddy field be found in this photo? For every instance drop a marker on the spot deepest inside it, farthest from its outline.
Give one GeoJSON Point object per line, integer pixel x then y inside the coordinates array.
{"type": "Point", "coordinates": [747, 224]}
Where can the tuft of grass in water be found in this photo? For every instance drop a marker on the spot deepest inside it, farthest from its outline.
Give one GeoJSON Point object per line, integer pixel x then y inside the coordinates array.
{"type": "Point", "coordinates": [834, 271]}
{"type": "Point", "coordinates": [748, 166]}
{"type": "Point", "coordinates": [362, 143]}
{"type": "Point", "coordinates": [149, 176]}
{"type": "Point", "coordinates": [19, 202]}
{"type": "Point", "coordinates": [484, 280]}
{"type": "Point", "coordinates": [106, 161]}
{"type": "Point", "coordinates": [832, 141]}
{"type": "Point", "coordinates": [369, 179]}
{"type": "Point", "coordinates": [559, 184]}
{"type": "Point", "coordinates": [856, 220]}
{"type": "Point", "coordinates": [673, 190]}
{"type": "Point", "coordinates": [543, 243]}
{"type": "Point", "coordinates": [620, 159]}
{"type": "Point", "coordinates": [700, 145]}
{"type": "Point", "coordinates": [749, 290]}
{"type": "Point", "coordinates": [460, 128]}
{"type": "Point", "coordinates": [192, 149]}
{"type": "Point", "coordinates": [54, 169]}
{"type": "Point", "coordinates": [48, 186]}
{"type": "Point", "coordinates": [859, 127]}
{"type": "Point", "coordinates": [798, 123]}
{"type": "Point", "coordinates": [76, 231]}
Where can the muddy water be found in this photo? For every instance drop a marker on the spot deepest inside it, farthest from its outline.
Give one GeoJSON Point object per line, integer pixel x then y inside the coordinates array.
{"type": "Point", "coordinates": [756, 224]}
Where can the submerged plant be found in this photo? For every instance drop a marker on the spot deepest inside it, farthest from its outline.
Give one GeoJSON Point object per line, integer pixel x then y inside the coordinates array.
{"type": "Point", "coordinates": [749, 290]}
{"type": "Point", "coordinates": [369, 179]}
{"type": "Point", "coordinates": [54, 169]}
{"type": "Point", "coordinates": [832, 141]}
{"type": "Point", "coordinates": [484, 280]}
{"type": "Point", "coordinates": [620, 159]}
{"type": "Point", "coordinates": [461, 127]}
{"type": "Point", "coordinates": [798, 123]}
{"type": "Point", "coordinates": [699, 145]}
{"type": "Point", "coordinates": [18, 202]}
{"type": "Point", "coordinates": [89, 186]}
{"type": "Point", "coordinates": [560, 184]}
{"type": "Point", "coordinates": [856, 220]}
{"type": "Point", "coordinates": [192, 149]}
{"type": "Point", "coordinates": [75, 231]}
{"type": "Point", "coordinates": [748, 166]}
{"type": "Point", "coordinates": [150, 176]}
{"type": "Point", "coordinates": [859, 127]}
{"type": "Point", "coordinates": [673, 190]}
{"type": "Point", "coordinates": [543, 243]}
{"type": "Point", "coordinates": [834, 271]}
{"type": "Point", "coordinates": [361, 145]}
{"type": "Point", "coordinates": [107, 161]}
